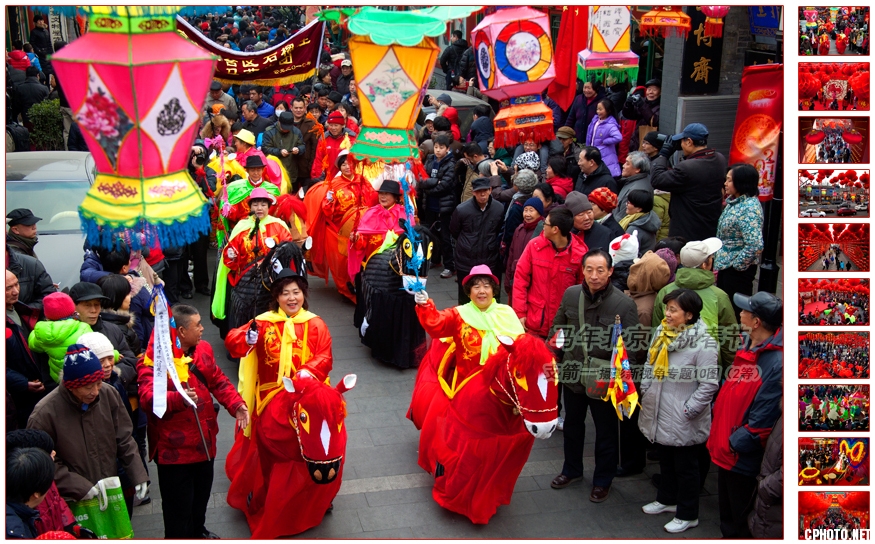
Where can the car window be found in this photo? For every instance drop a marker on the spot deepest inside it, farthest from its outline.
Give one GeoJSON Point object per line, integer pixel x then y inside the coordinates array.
{"type": "Point", "coordinates": [57, 202]}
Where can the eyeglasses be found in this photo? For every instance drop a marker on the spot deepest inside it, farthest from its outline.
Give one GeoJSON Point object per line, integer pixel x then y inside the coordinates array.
{"type": "Point", "coordinates": [546, 224]}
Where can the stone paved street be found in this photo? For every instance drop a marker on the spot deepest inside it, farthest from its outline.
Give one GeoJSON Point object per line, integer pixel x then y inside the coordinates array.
{"type": "Point", "coordinates": [385, 494]}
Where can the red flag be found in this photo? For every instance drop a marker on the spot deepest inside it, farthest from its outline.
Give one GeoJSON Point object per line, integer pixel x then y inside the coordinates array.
{"type": "Point", "coordinates": [573, 38]}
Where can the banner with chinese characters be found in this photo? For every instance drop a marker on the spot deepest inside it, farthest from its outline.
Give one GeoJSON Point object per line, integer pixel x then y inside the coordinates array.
{"type": "Point", "coordinates": [291, 61]}
{"type": "Point", "coordinates": [758, 123]}
{"type": "Point", "coordinates": [764, 20]}
{"type": "Point", "coordinates": [702, 58]}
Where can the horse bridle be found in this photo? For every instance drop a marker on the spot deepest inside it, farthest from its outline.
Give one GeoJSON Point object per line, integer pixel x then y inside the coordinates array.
{"type": "Point", "coordinates": [292, 420]}
{"type": "Point", "coordinates": [515, 399]}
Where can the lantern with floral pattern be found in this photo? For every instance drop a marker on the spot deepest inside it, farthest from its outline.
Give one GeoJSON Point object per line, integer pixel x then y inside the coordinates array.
{"type": "Point", "coordinates": [136, 89]}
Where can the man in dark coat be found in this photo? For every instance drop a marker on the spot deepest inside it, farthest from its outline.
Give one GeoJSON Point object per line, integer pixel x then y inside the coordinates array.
{"type": "Point", "coordinates": [22, 234]}
{"type": "Point", "coordinates": [594, 172]}
{"type": "Point", "coordinates": [451, 56]}
{"type": "Point", "coordinates": [346, 76]}
{"type": "Point", "coordinates": [29, 93]}
{"type": "Point", "coordinates": [601, 301]}
{"type": "Point", "coordinates": [475, 227]}
{"type": "Point", "coordinates": [24, 379]}
{"type": "Point", "coordinates": [253, 122]}
{"type": "Point", "coordinates": [695, 183]}
{"type": "Point", "coordinates": [284, 141]}
{"type": "Point", "coordinates": [40, 39]}
{"type": "Point", "coordinates": [439, 189]}
{"type": "Point", "coordinates": [311, 142]}
{"type": "Point", "coordinates": [35, 281]}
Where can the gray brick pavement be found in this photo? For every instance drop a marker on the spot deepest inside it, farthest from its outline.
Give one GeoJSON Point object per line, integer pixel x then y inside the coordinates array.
{"type": "Point", "coordinates": [386, 495]}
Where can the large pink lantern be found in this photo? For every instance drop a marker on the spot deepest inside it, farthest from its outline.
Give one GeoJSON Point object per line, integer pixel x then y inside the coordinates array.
{"type": "Point", "coordinates": [514, 54]}
{"type": "Point", "coordinates": [136, 89]}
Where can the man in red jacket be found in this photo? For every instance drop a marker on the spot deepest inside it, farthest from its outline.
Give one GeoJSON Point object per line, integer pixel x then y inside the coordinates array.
{"type": "Point", "coordinates": [183, 444]}
{"type": "Point", "coordinates": [550, 264]}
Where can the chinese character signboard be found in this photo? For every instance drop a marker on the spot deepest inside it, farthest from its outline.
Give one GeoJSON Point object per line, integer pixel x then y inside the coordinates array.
{"type": "Point", "coordinates": [764, 20]}
{"type": "Point", "coordinates": [291, 61]}
{"type": "Point", "coordinates": [702, 56]}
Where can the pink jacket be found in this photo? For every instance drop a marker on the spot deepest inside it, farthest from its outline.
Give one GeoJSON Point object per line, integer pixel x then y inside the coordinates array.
{"type": "Point", "coordinates": [541, 278]}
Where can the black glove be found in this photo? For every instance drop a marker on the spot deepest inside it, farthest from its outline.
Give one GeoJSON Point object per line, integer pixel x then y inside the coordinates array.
{"type": "Point", "coordinates": [669, 147]}
{"type": "Point", "coordinates": [635, 100]}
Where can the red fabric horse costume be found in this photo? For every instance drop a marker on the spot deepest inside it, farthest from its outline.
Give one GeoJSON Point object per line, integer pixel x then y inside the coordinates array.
{"type": "Point", "coordinates": [479, 441]}
{"type": "Point", "coordinates": [294, 471]}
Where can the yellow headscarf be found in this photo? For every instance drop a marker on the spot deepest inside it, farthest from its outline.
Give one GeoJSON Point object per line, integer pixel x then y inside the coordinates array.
{"type": "Point", "coordinates": [248, 375]}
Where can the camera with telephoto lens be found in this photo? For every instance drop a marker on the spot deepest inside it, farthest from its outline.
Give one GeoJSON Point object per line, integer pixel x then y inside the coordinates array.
{"type": "Point", "coordinates": [198, 156]}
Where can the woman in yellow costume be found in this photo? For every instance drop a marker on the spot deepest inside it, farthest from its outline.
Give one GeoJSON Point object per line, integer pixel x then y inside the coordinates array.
{"type": "Point", "coordinates": [334, 209]}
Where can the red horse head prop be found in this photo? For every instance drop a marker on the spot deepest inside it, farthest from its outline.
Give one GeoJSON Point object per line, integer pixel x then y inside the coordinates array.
{"type": "Point", "coordinates": [315, 411]}
{"type": "Point", "coordinates": [524, 371]}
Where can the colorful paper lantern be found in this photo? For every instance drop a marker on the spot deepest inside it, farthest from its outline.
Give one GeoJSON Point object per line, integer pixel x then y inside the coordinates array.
{"type": "Point", "coordinates": [514, 56]}
{"type": "Point", "coordinates": [810, 18]}
{"type": "Point", "coordinates": [714, 20]}
{"type": "Point", "coordinates": [394, 55]}
{"type": "Point", "coordinates": [136, 89]}
{"type": "Point", "coordinates": [667, 22]}
{"type": "Point", "coordinates": [609, 52]}
{"type": "Point", "coordinates": [390, 82]}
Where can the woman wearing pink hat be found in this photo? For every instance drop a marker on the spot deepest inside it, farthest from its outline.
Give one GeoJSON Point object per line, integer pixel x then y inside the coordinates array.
{"type": "Point", "coordinates": [468, 336]}
{"type": "Point", "coordinates": [251, 239]}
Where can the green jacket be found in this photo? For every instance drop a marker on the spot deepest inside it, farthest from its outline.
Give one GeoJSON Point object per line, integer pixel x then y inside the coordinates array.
{"type": "Point", "coordinates": [717, 312]}
{"type": "Point", "coordinates": [53, 338]}
{"type": "Point", "coordinates": [660, 208]}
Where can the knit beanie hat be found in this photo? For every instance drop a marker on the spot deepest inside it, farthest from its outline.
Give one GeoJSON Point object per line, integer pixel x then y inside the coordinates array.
{"type": "Point", "coordinates": [535, 203]}
{"type": "Point", "coordinates": [604, 198]}
{"type": "Point", "coordinates": [624, 248]}
{"type": "Point", "coordinates": [525, 181]}
{"type": "Point", "coordinates": [58, 306]}
{"type": "Point", "coordinates": [577, 202]}
{"type": "Point", "coordinates": [669, 257]}
{"type": "Point", "coordinates": [81, 367]}
{"type": "Point", "coordinates": [97, 343]}
{"type": "Point", "coordinates": [529, 160]}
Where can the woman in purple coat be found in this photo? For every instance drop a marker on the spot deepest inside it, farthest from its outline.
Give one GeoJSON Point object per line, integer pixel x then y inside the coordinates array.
{"type": "Point", "coordinates": [604, 133]}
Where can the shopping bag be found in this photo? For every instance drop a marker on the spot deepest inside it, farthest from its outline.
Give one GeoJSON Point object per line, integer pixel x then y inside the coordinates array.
{"type": "Point", "coordinates": [106, 514]}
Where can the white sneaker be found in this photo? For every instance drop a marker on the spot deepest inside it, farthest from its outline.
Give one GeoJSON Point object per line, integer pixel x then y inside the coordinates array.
{"type": "Point", "coordinates": [560, 424]}
{"type": "Point", "coordinates": [657, 507]}
{"type": "Point", "coordinates": [679, 526]}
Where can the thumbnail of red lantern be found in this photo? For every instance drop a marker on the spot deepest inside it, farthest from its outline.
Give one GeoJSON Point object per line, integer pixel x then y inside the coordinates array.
{"type": "Point", "coordinates": [852, 137]}
{"type": "Point", "coordinates": [815, 137]}
{"type": "Point", "coordinates": [514, 57]}
{"type": "Point", "coordinates": [714, 20]}
{"type": "Point", "coordinates": [136, 89]}
{"type": "Point", "coordinates": [667, 22]}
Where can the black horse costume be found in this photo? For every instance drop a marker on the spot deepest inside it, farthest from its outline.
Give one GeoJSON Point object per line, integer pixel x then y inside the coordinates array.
{"type": "Point", "coordinates": [251, 296]}
{"type": "Point", "coordinates": [385, 312]}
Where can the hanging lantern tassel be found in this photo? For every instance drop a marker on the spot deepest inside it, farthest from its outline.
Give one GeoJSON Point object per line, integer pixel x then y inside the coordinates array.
{"type": "Point", "coordinates": [714, 21]}
{"type": "Point", "coordinates": [666, 22]}
{"type": "Point", "coordinates": [525, 117]}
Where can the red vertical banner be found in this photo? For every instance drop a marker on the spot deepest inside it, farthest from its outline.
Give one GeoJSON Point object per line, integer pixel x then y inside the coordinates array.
{"type": "Point", "coordinates": [573, 37]}
{"type": "Point", "coordinates": [758, 123]}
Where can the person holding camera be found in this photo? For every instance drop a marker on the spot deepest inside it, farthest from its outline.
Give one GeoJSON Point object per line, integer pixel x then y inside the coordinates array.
{"type": "Point", "coordinates": [695, 183]}
{"type": "Point", "coordinates": [205, 177]}
{"type": "Point", "coordinates": [642, 106]}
